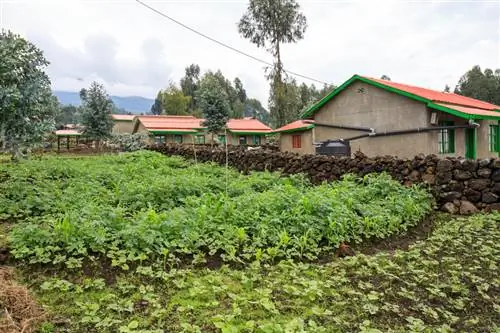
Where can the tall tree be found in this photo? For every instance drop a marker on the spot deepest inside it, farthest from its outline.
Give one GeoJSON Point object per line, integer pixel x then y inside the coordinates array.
{"type": "Point", "coordinates": [269, 24]}
{"type": "Point", "coordinates": [157, 108]}
{"type": "Point", "coordinates": [189, 84]}
{"type": "Point", "coordinates": [254, 109]}
{"type": "Point", "coordinates": [240, 91]}
{"type": "Point", "coordinates": [68, 114]}
{"type": "Point", "coordinates": [173, 101]}
{"type": "Point", "coordinates": [96, 112]}
{"type": "Point", "coordinates": [214, 103]}
{"type": "Point", "coordinates": [484, 86]}
{"type": "Point", "coordinates": [27, 106]}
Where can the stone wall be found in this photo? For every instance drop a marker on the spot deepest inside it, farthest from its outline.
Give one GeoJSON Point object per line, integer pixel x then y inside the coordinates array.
{"type": "Point", "coordinates": [459, 185]}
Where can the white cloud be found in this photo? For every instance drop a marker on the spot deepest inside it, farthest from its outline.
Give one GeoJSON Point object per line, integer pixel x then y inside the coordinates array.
{"type": "Point", "coordinates": [134, 51]}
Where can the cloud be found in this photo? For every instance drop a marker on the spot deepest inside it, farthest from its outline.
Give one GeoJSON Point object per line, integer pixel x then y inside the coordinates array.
{"type": "Point", "coordinates": [135, 51]}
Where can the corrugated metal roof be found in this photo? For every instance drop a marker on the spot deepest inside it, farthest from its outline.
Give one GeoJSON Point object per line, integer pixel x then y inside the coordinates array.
{"type": "Point", "coordinates": [123, 117]}
{"type": "Point", "coordinates": [296, 126]}
{"type": "Point", "coordinates": [247, 125]}
{"type": "Point", "coordinates": [170, 122]}
{"type": "Point", "coordinates": [438, 96]}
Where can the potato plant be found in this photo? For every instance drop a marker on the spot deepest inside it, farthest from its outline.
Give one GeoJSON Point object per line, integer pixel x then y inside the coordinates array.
{"type": "Point", "coordinates": [142, 206]}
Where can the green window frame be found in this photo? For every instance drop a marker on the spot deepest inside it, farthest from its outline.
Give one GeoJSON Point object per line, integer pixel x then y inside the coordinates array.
{"type": "Point", "coordinates": [178, 138]}
{"type": "Point", "coordinates": [446, 138]}
{"type": "Point", "coordinates": [200, 139]}
{"type": "Point", "coordinates": [493, 135]}
{"type": "Point", "coordinates": [242, 140]}
{"type": "Point", "coordinates": [222, 139]}
{"type": "Point", "coordinates": [256, 139]}
{"type": "Point", "coordinates": [160, 139]}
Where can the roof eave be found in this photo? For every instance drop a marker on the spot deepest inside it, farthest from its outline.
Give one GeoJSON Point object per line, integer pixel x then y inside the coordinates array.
{"type": "Point", "coordinates": [293, 130]}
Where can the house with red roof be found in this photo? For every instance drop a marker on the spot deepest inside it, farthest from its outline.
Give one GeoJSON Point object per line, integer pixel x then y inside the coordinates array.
{"type": "Point", "coordinates": [381, 117]}
{"type": "Point", "coordinates": [189, 129]}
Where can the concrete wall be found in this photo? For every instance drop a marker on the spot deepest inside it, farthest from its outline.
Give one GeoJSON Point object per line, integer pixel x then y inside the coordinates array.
{"type": "Point", "coordinates": [307, 140]}
{"type": "Point", "coordinates": [121, 126]}
{"type": "Point", "coordinates": [364, 105]}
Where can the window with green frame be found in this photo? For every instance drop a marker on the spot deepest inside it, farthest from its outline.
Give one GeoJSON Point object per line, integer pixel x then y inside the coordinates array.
{"type": "Point", "coordinates": [446, 138]}
{"type": "Point", "coordinates": [243, 140]}
{"type": "Point", "coordinates": [493, 134]}
{"type": "Point", "coordinates": [256, 139]}
{"type": "Point", "coordinates": [178, 138]}
{"type": "Point", "coordinates": [200, 139]}
{"type": "Point", "coordinates": [221, 139]}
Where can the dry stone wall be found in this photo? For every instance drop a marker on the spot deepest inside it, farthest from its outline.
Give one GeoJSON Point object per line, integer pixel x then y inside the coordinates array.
{"type": "Point", "coordinates": [459, 185]}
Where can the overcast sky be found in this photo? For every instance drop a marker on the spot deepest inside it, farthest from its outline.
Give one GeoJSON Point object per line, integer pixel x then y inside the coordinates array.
{"type": "Point", "coordinates": [134, 51]}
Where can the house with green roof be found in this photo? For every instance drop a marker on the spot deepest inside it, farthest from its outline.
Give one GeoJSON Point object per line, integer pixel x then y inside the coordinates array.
{"type": "Point", "coordinates": [381, 117]}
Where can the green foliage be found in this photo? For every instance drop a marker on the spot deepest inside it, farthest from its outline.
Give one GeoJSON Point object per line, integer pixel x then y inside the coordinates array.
{"type": "Point", "coordinates": [141, 207]}
{"type": "Point", "coordinates": [484, 86]}
{"type": "Point", "coordinates": [68, 114]}
{"type": "Point", "coordinates": [96, 112]}
{"type": "Point", "coordinates": [214, 103]}
{"type": "Point", "coordinates": [173, 101]}
{"type": "Point", "coordinates": [190, 84]}
{"type": "Point", "coordinates": [157, 108]}
{"type": "Point", "coordinates": [446, 283]}
{"type": "Point", "coordinates": [27, 106]}
{"type": "Point", "coordinates": [269, 24]}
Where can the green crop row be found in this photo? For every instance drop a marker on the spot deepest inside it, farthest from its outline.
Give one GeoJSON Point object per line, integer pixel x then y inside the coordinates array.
{"type": "Point", "coordinates": [143, 206]}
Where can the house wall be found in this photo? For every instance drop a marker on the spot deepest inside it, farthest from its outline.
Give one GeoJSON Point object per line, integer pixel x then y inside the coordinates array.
{"type": "Point", "coordinates": [307, 140]}
{"type": "Point", "coordinates": [123, 126]}
{"type": "Point", "coordinates": [364, 105]}
{"type": "Point", "coordinates": [483, 140]}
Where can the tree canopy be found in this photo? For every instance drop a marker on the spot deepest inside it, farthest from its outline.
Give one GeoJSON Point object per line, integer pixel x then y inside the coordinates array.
{"type": "Point", "coordinates": [27, 106]}
{"type": "Point", "coordinates": [96, 112]}
{"type": "Point", "coordinates": [269, 24]}
{"type": "Point", "coordinates": [173, 101]}
{"type": "Point", "coordinates": [481, 85]}
{"type": "Point", "coordinates": [214, 103]}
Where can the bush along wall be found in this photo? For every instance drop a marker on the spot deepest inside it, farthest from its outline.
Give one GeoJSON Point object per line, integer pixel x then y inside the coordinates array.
{"type": "Point", "coordinates": [459, 185]}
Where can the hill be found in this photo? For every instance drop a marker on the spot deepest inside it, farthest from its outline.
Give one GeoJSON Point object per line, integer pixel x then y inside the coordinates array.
{"type": "Point", "coordinates": [134, 104]}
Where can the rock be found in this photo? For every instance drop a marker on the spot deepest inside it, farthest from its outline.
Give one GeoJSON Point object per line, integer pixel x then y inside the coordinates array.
{"type": "Point", "coordinates": [450, 196]}
{"type": "Point", "coordinates": [484, 172]}
{"type": "Point", "coordinates": [479, 184]}
{"type": "Point", "coordinates": [496, 163]}
{"type": "Point", "coordinates": [495, 207]}
{"type": "Point", "coordinates": [429, 179]}
{"type": "Point", "coordinates": [443, 178]}
{"type": "Point", "coordinates": [449, 208]}
{"type": "Point", "coordinates": [484, 162]}
{"type": "Point", "coordinates": [495, 188]}
{"type": "Point", "coordinates": [430, 170]}
{"type": "Point", "coordinates": [444, 165]}
{"type": "Point", "coordinates": [456, 203]}
{"type": "Point", "coordinates": [414, 176]}
{"type": "Point", "coordinates": [472, 195]}
{"type": "Point", "coordinates": [467, 208]}
{"type": "Point", "coordinates": [495, 175]}
{"type": "Point", "coordinates": [489, 197]}
{"type": "Point", "coordinates": [462, 174]}
{"type": "Point", "coordinates": [468, 165]}
{"type": "Point", "coordinates": [455, 186]}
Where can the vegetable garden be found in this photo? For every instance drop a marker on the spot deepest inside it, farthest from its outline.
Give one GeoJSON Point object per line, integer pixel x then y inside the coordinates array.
{"type": "Point", "coordinates": [140, 242]}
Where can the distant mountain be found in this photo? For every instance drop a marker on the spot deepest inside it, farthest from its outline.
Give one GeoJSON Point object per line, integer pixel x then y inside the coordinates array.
{"type": "Point", "coordinates": [134, 104]}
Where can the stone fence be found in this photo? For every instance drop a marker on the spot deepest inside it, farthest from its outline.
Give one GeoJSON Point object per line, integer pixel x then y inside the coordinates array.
{"type": "Point", "coordinates": [459, 185]}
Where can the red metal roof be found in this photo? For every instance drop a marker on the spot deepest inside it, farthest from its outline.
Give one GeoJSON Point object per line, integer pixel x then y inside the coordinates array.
{"type": "Point", "coordinates": [124, 117]}
{"type": "Point", "coordinates": [438, 96]}
{"type": "Point", "coordinates": [247, 125]}
{"type": "Point", "coordinates": [471, 111]}
{"type": "Point", "coordinates": [170, 122]}
{"type": "Point", "coordinates": [298, 125]}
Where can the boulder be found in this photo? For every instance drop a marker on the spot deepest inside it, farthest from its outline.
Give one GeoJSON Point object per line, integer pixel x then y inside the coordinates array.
{"type": "Point", "coordinates": [468, 165]}
{"type": "Point", "coordinates": [429, 179]}
{"type": "Point", "coordinates": [496, 163]}
{"type": "Point", "coordinates": [472, 195]}
{"type": "Point", "coordinates": [443, 177]}
{"type": "Point", "coordinates": [495, 188]}
{"type": "Point", "coordinates": [495, 175]}
{"type": "Point", "coordinates": [444, 165]}
{"type": "Point", "coordinates": [467, 208]}
{"type": "Point", "coordinates": [484, 162]}
{"type": "Point", "coordinates": [450, 208]}
{"type": "Point", "coordinates": [479, 184]}
{"type": "Point", "coordinates": [489, 197]}
{"type": "Point", "coordinates": [450, 196]}
{"type": "Point", "coordinates": [484, 172]}
{"type": "Point", "coordinates": [414, 176]}
{"type": "Point", "coordinates": [462, 174]}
